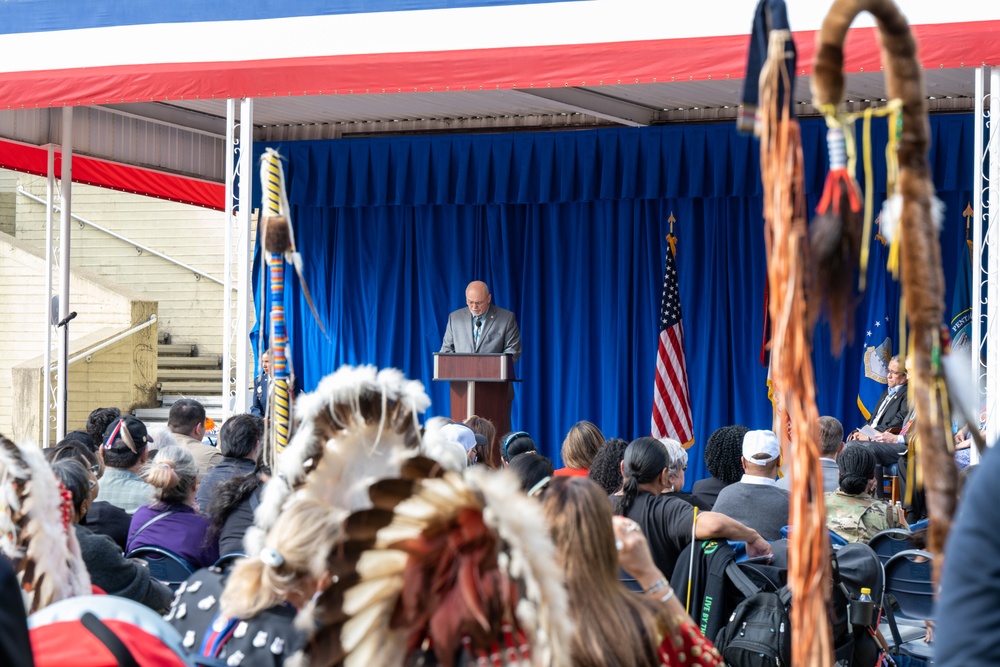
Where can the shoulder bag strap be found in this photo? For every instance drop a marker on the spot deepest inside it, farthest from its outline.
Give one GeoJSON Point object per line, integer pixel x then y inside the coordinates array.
{"type": "Point", "coordinates": [152, 521]}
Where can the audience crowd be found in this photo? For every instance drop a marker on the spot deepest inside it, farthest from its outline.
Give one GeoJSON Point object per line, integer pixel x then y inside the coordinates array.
{"type": "Point", "coordinates": [617, 512]}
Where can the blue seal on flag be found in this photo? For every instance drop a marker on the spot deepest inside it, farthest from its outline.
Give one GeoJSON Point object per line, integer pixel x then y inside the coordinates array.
{"type": "Point", "coordinates": [877, 361]}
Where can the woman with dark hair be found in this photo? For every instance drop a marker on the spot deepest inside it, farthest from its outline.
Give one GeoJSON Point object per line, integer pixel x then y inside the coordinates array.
{"type": "Point", "coordinates": [723, 456]}
{"type": "Point", "coordinates": [606, 469]}
{"type": "Point", "coordinates": [613, 625]}
{"type": "Point", "coordinates": [97, 423]}
{"type": "Point", "coordinates": [667, 521]}
{"type": "Point", "coordinates": [579, 448]}
{"type": "Point", "coordinates": [108, 569]}
{"type": "Point", "coordinates": [531, 469]}
{"type": "Point", "coordinates": [852, 511]}
{"type": "Point", "coordinates": [102, 518]}
{"type": "Point", "coordinates": [232, 506]}
{"type": "Point", "coordinates": [514, 443]}
{"type": "Point", "coordinates": [170, 521]}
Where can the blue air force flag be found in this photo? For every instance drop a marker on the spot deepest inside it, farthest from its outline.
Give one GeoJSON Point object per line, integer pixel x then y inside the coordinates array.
{"type": "Point", "coordinates": [879, 329]}
{"type": "Point", "coordinates": [961, 301]}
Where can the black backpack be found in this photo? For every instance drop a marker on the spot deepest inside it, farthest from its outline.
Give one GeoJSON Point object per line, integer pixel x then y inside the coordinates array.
{"type": "Point", "coordinates": [759, 631]}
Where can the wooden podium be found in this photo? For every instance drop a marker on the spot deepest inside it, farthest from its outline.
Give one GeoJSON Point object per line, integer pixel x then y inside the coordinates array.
{"type": "Point", "coordinates": [481, 384]}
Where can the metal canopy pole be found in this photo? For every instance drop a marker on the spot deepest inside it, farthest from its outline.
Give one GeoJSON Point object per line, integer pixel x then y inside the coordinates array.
{"type": "Point", "coordinates": [993, 261]}
{"type": "Point", "coordinates": [50, 186]}
{"type": "Point", "coordinates": [227, 272]}
{"type": "Point", "coordinates": [978, 372]}
{"type": "Point", "coordinates": [62, 401]}
{"type": "Point", "coordinates": [244, 257]}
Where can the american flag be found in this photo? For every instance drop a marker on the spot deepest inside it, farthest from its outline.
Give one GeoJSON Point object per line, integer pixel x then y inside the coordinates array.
{"type": "Point", "coordinates": [671, 401]}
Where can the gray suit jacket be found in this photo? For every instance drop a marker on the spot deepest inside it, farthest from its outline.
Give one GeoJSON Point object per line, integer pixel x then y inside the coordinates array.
{"type": "Point", "coordinates": [500, 334]}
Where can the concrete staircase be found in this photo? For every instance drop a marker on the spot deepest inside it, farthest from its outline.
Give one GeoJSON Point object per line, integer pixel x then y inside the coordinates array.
{"type": "Point", "coordinates": [183, 373]}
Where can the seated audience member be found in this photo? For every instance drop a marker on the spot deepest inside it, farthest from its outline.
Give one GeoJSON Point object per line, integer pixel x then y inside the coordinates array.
{"type": "Point", "coordinates": [606, 469]}
{"type": "Point", "coordinates": [514, 443]}
{"type": "Point", "coordinates": [187, 422]}
{"type": "Point", "coordinates": [755, 500]}
{"type": "Point", "coordinates": [465, 437]}
{"type": "Point", "coordinates": [531, 469]}
{"type": "Point", "coordinates": [170, 521]}
{"type": "Point", "coordinates": [891, 407]}
{"type": "Point", "coordinates": [97, 424]}
{"type": "Point", "coordinates": [15, 647]}
{"type": "Point", "coordinates": [232, 507]}
{"type": "Point", "coordinates": [579, 448]}
{"type": "Point", "coordinates": [851, 511]}
{"type": "Point", "coordinates": [722, 456]}
{"type": "Point", "coordinates": [487, 453]}
{"type": "Point", "coordinates": [125, 451]}
{"type": "Point", "coordinates": [677, 466]}
{"type": "Point", "coordinates": [240, 441]}
{"type": "Point", "coordinates": [260, 594]}
{"type": "Point", "coordinates": [102, 518]}
{"type": "Point", "coordinates": [108, 569]}
{"type": "Point", "coordinates": [615, 626]}
{"type": "Point", "coordinates": [831, 441]}
{"type": "Point", "coordinates": [967, 609]}
{"type": "Point", "coordinates": [667, 521]}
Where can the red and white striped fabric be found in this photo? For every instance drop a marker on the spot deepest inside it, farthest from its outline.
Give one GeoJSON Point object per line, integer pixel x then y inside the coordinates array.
{"type": "Point", "coordinates": [671, 400]}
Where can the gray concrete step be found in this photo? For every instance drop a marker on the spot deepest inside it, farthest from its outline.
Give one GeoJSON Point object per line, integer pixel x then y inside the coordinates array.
{"type": "Point", "coordinates": [190, 374]}
{"type": "Point", "coordinates": [190, 387]}
{"type": "Point", "coordinates": [177, 350]}
{"type": "Point", "coordinates": [209, 361]}
{"type": "Point", "coordinates": [151, 415]}
{"type": "Point", "coordinates": [208, 400]}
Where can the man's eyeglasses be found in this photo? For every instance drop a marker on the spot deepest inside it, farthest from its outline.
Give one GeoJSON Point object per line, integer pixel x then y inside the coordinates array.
{"type": "Point", "coordinates": [897, 373]}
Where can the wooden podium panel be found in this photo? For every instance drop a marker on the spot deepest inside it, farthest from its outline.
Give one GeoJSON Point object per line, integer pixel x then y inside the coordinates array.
{"type": "Point", "coordinates": [481, 384]}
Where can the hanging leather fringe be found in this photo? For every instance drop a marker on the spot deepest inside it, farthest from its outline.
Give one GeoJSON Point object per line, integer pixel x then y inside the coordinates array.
{"type": "Point", "coordinates": [796, 419]}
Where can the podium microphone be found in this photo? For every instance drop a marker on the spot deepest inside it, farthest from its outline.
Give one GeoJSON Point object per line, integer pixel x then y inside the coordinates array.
{"type": "Point", "coordinates": [64, 321]}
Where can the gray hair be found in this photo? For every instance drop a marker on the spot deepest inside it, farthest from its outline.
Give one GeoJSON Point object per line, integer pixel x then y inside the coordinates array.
{"type": "Point", "coordinates": [677, 456]}
{"type": "Point", "coordinates": [173, 474]}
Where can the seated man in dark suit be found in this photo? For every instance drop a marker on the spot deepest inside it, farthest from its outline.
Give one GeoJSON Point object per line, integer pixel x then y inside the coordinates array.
{"type": "Point", "coordinates": [891, 408]}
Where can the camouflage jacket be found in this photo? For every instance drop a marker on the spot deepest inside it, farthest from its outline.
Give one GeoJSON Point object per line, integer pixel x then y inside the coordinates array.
{"type": "Point", "coordinates": [858, 518]}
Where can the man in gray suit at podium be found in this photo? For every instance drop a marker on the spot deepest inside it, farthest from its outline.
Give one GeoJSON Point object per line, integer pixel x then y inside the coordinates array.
{"type": "Point", "coordinates": [482, 328]}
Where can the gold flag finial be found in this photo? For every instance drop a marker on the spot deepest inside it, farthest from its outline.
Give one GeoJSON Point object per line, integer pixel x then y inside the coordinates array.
{"type": "Point", "coordinates": [967, 214]}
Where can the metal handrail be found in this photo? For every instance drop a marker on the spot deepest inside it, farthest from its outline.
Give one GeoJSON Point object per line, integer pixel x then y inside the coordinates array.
{"type": "Point", "coordinates": [89, 353]}
{"type": "Point", "coordinates": [138, 246]}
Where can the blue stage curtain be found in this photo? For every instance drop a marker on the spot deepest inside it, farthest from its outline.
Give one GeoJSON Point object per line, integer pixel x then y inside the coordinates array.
{"type": "Point", "coordinates": [569, 230]}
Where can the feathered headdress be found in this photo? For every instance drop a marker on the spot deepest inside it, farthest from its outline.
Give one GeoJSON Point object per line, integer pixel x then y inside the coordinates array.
{"type": "Point", "coordinates": [446, 569]}
{"type": "Point", "coordinates": [35, 513]}
{"type": "Point", "coordinates": [355, 428]}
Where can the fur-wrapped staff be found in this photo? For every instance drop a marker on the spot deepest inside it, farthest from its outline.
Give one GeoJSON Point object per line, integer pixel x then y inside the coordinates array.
{"type": "Point", "coordinates": [279, 243]}
{"type": "Point", "coordinates": [920, 251]}
{"type": "Point", "coordinates": [796, 418]}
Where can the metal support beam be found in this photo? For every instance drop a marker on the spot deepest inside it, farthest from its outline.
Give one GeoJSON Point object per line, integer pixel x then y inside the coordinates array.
{"type": "Point", "coordinates": [583, 100]}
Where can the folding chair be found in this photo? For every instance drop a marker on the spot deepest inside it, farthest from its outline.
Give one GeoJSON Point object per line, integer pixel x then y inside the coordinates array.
{"type": "Point", "coordinates": [164, 565]}
{"type": "Point", "coordinates": [226, 560]}
{"type": "Point", "coordinates": [890, 542]}
{"type": "Point", "coordinates": [909, 586]}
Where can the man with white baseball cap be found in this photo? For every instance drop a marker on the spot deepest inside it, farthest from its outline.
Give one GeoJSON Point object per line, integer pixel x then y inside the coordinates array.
{"type": "Point", "coordinates": [755, 500]}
